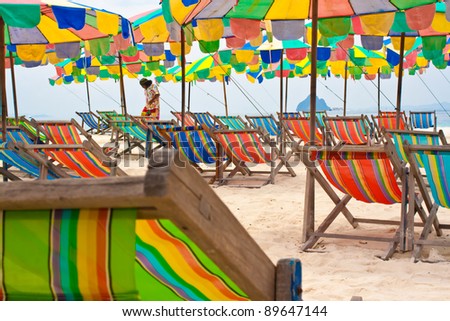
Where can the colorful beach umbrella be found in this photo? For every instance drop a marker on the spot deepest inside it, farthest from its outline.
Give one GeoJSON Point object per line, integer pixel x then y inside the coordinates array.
{"type": "Point", "coordinates": [28, 27]}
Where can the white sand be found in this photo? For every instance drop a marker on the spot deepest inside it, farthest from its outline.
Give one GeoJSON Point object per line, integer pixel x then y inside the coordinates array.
{"type": "Point", "coordinates": [337, 269]}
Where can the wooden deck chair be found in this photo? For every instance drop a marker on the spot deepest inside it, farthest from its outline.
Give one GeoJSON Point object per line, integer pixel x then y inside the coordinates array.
{"type": "Point", "coordinates": [85, 157]}
{"type": "Point", "coordinates": [106, 114]}
{"type": "Point", "coordinates": [133, 238]}
{"type": "Point", "coordinates": [206, 119]}
{"type": "Point", "coordinates": [232, 122]}
{"type": "Point", "coordinates": [268, 124]}
{"type": "Point", "coordinates": [154, 136]}
{"type": "Point", "coordinates": [300, 128]}
{"type": "Point", "coordinates": [349, 130]}
{"type": "Point", "coordinates": [436, 163]}
{"type": "Point", "coordinates": [413, 137]}
{"type": "Point", "coordinates": [94, 123]}
{"type": "Point", "coordinates": [198, 147]}
{"type": "Point", "coordinates": [389, 121]}
{"type": "Point", "coordinates": [30, 163]}
{"type": "Point", "coordinates": [289, 115]}
{"type": "Point", "coordinates": [189, 121]}
{"type": "Point", "coordinates": [371, 174]}
{"type": "Point", "coordinates": [319, 116]}
{"type": "Point", "coordinates": [30, 129]}
{"type": "Point", "coordinates": [423, 119]}
{"type": "Point", "coordinates": [133, 133]}
{"type": "Point", "coordinates": [245, 148]}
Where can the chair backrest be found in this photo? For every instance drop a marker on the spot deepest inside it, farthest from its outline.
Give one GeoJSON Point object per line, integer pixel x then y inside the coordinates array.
{"type": "Point", "coordinates": [92, 120]}
{"type": "Point", "coordinates": [319, 116]}
{"type": "Point", "coordinates": [106, 114]}
{"type": "Point", "coordinates": [155, 125]}
{"type": "Point", "coordinates": [61, 132]}
{"type": "Point", "coordinates": [101, 241]}
{"type": "Point", "coordinates": [192, 142]}
{"type": "Point", "coordinates": [288, 115]}
{"type": "Point", "coordinates": [423, 119]}
{"type": "Point", "coordinates": [266, 123]}
{"type": "Point", "coordinates": [349, 130]}
{"type": "Point", "coordinates": [436, 162]}
{"type": "Point", "coordinates": [243, 145]}
{"type": "Point", "coordinates": [204, 119]}
{"type": "Point", "coordinates": [129, 125]}
{"type": "Point", "coordinates": [389, 121]}
{"type": "Point", "coordinates": [399, 137]}
{"type": "Point", "coordinates": [232, 122]}
{"type": "Point", "coordinates": [188, 119]}
{"type": "Point", "coordinates": [367, 174]}
{"type": "Point", "coordinates": [300, 127]}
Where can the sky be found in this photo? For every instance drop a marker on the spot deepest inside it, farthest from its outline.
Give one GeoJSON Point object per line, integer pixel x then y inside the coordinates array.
{"type": "Point", "coordinates": [37, 98]}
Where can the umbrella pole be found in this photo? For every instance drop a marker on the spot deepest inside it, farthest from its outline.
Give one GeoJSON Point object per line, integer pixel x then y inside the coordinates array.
{"type": "Point", "coordinates": [183, 78]}
{"type": "Point", "coordinates": [345, 88]}
{"type": "Point", "coordinates": [309, 209]}
{"type": "Point", "coordinates": [400, 79]}
{"type": "Point", "coordinates": [189, 97]}
{"type": "Point", "coordinates": [286, 93]}
{"type": "Point", "coordinates": [87, 92]}
{"type": "Point", "coordinates": [4, 108]}
{"type": "Point", "coordinates": [281, 104]}
{"type": "Point", "coordinates": [225, 96]}
{"type": "Point", "coordinates": [13, 81]}
{"type": "Point", "coordinates": [379, 92]}
{"type": "Point", "coordinates": [122, 88]}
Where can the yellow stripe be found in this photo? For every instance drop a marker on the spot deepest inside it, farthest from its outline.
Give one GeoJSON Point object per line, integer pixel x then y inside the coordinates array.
{"type": "Point", "coordinates": [178, 263]}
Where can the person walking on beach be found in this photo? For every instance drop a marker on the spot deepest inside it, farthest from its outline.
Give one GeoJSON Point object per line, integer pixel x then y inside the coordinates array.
{"type": "Point", "coordinates": [151, 92]}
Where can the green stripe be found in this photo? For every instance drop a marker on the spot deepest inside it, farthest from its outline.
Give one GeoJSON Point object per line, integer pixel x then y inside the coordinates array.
{"type": "Point", "coordinates": [26, 266]}
{"type": "Point", "coordinates": [2, 250]}
{"type": "Point", "coordinates": [72, 226]}
{"type": "Point", "coordinates": [122, 252]}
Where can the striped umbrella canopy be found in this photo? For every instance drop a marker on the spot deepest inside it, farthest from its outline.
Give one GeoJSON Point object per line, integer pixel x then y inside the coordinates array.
{"type": "Point", "coordinates": [28, 27]}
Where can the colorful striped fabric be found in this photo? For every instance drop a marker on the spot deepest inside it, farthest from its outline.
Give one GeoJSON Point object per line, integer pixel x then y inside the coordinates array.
{"type": "Point", "coordinates": [204, 119]}
{"type": "Point", "coordinates": [413, 139]}
{"type": "Point", "coordinates": [422, 120]}
{"type": "Point", "coordinates": [319, 117]}
{"type": "Point", "coordinates": [68, 255]}
{"type": "Point", "coordinates": [172, 266]}
{"type": "Point", "coordinates": [188, 120]}
{"type": "Point", "coordinates": [300, 127]}
{"type": "Point", "coordinates": [59, 133]}
{"type": "Point", "coordinates": [243, 146]}
{"type": "Point", "coordinates": [290, 115]}
{"type": "Point", "coordinates": [367, 177]}
{"type": "Point", "coordinates": [437, 168]}
{"type": "Point", "coordinates": [27, 126]}
{"type": "Point", "coordinates": [195, 144]}
{"type": "Point", "coordinates": [91, 121]}
{"type": "Point", "coordinates": [390, 122]}
{"type": "Point", "coordinates": [80, 160]}
{"type": "Point", "coordinates": [348, 131]}
{"type": "Point", "coordinates": [106, 115]}
{"type": "Point", "coordinates": [267, 123]}
{"type": "Point", "coordinates": [154, 129]}
{"type": "Point", "coordinates": [232, 122]}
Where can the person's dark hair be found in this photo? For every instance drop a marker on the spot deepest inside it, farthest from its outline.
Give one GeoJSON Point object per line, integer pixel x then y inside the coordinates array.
{"type": "Point", "coordinates": [145, 82]}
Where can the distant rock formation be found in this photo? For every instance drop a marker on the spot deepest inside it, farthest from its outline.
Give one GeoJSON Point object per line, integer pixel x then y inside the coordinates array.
{"type": "Point", "coordinates": [320, 104]}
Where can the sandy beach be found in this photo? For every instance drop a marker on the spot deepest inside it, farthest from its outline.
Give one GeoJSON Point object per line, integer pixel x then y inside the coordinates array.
{"type": "Point", "coordinates": [335, 269]}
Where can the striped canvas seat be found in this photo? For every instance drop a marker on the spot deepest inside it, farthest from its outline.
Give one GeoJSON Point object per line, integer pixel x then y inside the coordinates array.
{"type": "Point", "coordinates": [128, 126]}
{"type": "Point", "coordinates": [194, 143]}
{"type": "Point", "coordinates": [399, 138]}
{"type": "Point", "coordinates": [232, 122]}
{"type": "Point", "coordinates": [369, 174]}
{"type": "Point", "coordinates": [436, 162]}
{"type": "Point", "coordinates": [423, 120]}
{"type": "Point", "coordinates": [26, 124]}
{"type": "Point", "coordinates": [204, 119]}
{"type": "Point", "coordinates": [244, 146]}
{"type": "Point", "coordinates": [390, 122]}
{"type": "Point", "coordinates": [83, 157]}
{"type": "Point", "coordinates": [92, 121]}
{"type": "Point", "coordinates": [267, 123]}
{"type": "Point", "coordinates": [319, 117]}
{"type": "Point", "coordinates": [188, 119]}
{"type": "Point", "coordinates": [102, 241]}
{"type": "Point", "coordinates": [348, 130]}
{"type": "Point", "coordinates": [300, 128]}
{"type": "Point", "coordinates": [20, 160]}
{"type": "Point", "coordinates": [289, 115]}
{"type": "Point", "coordinates": [107, 114]}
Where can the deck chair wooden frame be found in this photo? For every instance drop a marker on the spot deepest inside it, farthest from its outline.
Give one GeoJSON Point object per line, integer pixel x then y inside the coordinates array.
{"type": "Point", "coordinates": [94, 122]}
{"type": "Point", "coordinates": [188, 119]}
{"type": "Point", "coordinates": [153, 134]}
{"type": "Point", "coordinates": [88, 145]}
{"type": "Point", "coordinates": [223, 146]}
{"type": "Point", "coordinates": [319, 116]}
{"type": "Point", "coordinates": [272, 131]}
{"type": "Point", "coordinates": [398, 173]}
{"type": "Point", "coordinates": [432, 205]}
{"type": "Point", "coordinates": [171, 190]}
{"type": "Point", "coordinates": [429, 122]}
{"type": "Point", "coordinates": [136, 138]}
{"type": "Point", "coordinates": [338, 127]}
